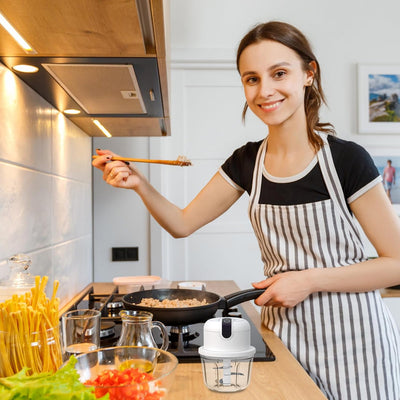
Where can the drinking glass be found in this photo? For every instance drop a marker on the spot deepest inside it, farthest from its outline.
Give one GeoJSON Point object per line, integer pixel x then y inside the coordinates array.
{"type": "Point", "coordinates": [80, 331]}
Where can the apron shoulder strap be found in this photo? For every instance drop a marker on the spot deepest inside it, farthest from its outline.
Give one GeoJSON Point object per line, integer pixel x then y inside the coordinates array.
{"type": "Point", "coordinates": [333, 184]}
{"type": "Point", "coordinates": [257, 174]}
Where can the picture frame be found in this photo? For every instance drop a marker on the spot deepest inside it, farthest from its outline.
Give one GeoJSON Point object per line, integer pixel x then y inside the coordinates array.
{"type": "Point", "coordinates": [381, 161]}
{"type": "Point", "coordinates": [379, 99]}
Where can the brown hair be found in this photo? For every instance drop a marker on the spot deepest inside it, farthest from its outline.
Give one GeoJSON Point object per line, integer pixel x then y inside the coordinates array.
{"type": "Point", "coordinates": [291, 37]}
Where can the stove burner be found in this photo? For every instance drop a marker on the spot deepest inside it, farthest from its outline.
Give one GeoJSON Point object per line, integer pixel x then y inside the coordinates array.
{"type": "Point", "coordinates": [107, 329]}
{"type": "Point", "coordinates": [115, 304]}
{"type": "Point", "coordinates": [235, 314]}
{"type": "Point", "coordinates": [181, 336]}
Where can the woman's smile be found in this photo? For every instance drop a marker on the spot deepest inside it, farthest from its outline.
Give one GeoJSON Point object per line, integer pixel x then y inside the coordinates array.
{"type": "Point", "coordinates": [271, 106]}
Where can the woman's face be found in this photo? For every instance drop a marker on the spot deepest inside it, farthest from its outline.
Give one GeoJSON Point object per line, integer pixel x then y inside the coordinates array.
{"type": "Point", "coordinates": [274, 82]}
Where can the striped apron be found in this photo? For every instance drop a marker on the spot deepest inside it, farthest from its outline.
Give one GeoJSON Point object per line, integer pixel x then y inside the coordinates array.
{"type": "Point", "coordinates": [347, 342]}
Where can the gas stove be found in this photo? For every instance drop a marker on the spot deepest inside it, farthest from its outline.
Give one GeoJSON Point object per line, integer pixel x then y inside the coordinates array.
{"type": "Point", "coordinates": [184, 340]}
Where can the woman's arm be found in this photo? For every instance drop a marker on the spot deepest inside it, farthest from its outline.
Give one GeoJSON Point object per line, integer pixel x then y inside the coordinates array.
{"type": "Point", "coordinates": [212, 201]}
{"type": "Point", "coordinates": [382, 227]}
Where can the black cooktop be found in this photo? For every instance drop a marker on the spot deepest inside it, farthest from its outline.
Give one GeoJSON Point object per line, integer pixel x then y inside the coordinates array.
{"type": "Point", "coordinates": [189, 353]}
{"type": "Point", "coordinates": [184, 340]}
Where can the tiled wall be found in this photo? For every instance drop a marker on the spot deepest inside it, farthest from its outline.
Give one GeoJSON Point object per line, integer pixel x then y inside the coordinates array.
{"type": "Point", "coordinates": [45, 188]}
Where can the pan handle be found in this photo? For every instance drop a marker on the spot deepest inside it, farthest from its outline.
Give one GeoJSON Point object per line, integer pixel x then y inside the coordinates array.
{"type": "Point", "coordinates": [232, 299]}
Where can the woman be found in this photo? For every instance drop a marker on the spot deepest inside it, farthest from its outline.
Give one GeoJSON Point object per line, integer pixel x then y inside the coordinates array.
{"type": "Point", "coordinates": [305, 186]}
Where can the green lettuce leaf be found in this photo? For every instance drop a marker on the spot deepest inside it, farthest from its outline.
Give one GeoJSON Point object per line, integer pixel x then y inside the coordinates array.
{"type": "Point", "coordinates": [61, 385]}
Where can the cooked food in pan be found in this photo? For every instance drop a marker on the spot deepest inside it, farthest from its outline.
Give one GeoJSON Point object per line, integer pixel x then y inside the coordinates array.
{"type": "Point", "coordinates": [171, 303]}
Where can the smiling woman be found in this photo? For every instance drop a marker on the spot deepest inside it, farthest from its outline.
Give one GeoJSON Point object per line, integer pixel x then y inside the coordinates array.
{"type": "Point", "coordinates": [283, 47]}
{"type": "Point", "coordinates": [305, 187]}
{"type": "Point", "coordinates": [274, 91]}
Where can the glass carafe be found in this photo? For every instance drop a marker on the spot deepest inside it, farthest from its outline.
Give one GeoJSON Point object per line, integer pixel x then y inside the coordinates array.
{"type": "Point", "coordinates": [137, 329]}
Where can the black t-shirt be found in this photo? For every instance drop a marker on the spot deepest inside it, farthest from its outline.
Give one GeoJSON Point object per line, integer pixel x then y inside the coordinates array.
{"type": "Point", "coordinates": [354, 167]}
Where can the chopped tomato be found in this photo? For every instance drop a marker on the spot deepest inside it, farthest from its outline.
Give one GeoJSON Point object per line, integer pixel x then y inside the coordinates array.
{"type": "Point", "coordinates": [129, 384]}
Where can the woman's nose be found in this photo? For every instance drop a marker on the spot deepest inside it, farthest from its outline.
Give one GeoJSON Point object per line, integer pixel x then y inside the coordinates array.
{"type": "Point", "coordinates": [266, 88]}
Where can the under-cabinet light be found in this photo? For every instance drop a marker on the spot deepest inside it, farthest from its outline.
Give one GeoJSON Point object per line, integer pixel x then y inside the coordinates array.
{"type": "Point", "coordinates": [101, 127]}
{"type": "Point", "coordinates": [30, 69]}
{"type": "Point", "coordinates": [16, 36]}
{"type": "Point", "coordinates": [71, 111]}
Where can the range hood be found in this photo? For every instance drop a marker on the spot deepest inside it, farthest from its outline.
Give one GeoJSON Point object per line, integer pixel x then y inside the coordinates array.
{"type": "Point", "coordinates": [106, 59]}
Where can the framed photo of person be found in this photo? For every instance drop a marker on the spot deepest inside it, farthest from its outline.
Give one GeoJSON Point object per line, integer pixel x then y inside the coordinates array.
{"type": "Point", "coordinates": [389, 169]}
{"type": "Point", "coordinates": [379, 99]}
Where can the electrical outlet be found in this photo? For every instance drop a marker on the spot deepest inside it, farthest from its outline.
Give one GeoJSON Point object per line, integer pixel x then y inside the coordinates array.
{"type": "Point", "coordinates": [125, 254]}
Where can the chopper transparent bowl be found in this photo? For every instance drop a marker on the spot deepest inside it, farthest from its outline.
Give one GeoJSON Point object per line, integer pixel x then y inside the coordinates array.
{"type": "Point", "coordinates": [226, 375]}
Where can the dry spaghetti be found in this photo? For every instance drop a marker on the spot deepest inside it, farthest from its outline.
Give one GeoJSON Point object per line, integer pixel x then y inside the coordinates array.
{"type": "Point", "coordinates": [29, 331]}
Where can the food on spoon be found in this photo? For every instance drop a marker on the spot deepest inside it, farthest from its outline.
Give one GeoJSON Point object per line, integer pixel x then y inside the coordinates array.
{"type": "Point", "coordinates": [29, 333]}
{"type": "Point", "coordinates": [171, 303]}
{"type": "Point", "coordinates": [184, 161]}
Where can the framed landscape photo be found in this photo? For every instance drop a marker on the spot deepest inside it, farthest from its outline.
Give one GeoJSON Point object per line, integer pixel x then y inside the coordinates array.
{"type": "Point", "coordinates": [379, 99]}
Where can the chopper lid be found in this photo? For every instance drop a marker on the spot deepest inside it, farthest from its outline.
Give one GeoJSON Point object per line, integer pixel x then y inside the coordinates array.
{"type": "Point", "coordinates": [227, 337]}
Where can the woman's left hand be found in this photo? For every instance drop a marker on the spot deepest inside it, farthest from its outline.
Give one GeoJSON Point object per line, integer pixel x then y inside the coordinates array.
{"type": "Point", "coordinates": [286, 289]}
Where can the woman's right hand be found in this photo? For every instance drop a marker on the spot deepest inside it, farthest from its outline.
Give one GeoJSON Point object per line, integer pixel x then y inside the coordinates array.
{"type": "Point", "coordinates": [117, 173]}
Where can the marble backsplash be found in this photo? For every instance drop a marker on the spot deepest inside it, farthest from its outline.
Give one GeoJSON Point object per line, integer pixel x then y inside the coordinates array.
{"type": "Point", "coordinates": [45, 188]}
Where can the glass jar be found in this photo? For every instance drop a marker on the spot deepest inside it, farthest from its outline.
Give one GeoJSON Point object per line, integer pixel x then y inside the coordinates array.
{"type": "Point", "coordinates": [20, 280]}
{"type": "Point", "coordinates": [38, 351]}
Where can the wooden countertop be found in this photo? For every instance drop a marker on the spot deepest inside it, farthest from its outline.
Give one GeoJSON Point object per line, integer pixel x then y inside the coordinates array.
{"type": "Point", "coordinates": [390, 292]}
{"type": "Point", "coordinates": [282, 379]}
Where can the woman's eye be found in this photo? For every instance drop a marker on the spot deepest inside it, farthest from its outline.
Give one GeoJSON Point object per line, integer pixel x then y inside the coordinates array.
{"type": "Point", "coordinates": [280, 74]}
{"type": "Point", "coordinates": [251, 80]}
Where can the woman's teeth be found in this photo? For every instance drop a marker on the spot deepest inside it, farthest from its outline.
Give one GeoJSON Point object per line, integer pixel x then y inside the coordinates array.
{"type": "Point", "coordinates": [270, 106]}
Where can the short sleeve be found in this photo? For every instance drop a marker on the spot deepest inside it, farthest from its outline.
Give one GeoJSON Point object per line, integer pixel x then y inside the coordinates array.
{"type": "Point", "coordinates": [238, 168]}
{"type": "Point", "coordinates": [356, 169]}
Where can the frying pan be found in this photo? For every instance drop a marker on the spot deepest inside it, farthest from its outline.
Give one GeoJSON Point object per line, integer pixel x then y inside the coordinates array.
{"type": "Point", "coordinates": [187, 315]}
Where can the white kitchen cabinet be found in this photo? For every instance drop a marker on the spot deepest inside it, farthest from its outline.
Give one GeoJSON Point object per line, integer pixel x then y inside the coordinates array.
{"type": "Point", "coordinates": [393, 303]}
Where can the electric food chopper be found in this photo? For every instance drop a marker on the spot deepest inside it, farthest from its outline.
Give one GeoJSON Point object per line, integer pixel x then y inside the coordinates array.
{"type": "Point", "coordinates": [227, 355]}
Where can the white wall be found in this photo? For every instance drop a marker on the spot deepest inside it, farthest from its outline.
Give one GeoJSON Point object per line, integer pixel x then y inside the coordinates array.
{"type": "Point", "coordinates": [120, 218]}
{"type": "Point", "coordinates": [45, 188]}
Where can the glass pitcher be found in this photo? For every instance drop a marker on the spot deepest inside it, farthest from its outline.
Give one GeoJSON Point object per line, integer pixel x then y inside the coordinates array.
{"type": "Point", "coordinates": [137, 329]}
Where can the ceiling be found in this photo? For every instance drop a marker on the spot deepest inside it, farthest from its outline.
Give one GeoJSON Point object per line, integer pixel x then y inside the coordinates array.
{"type": "Point", "coordinates": [105, 58]}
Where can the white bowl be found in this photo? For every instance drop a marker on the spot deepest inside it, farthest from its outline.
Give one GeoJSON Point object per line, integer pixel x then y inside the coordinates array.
{"type": "Point", "coordinates": [129, 284]}
{"type": "Point", "coordinates": [192, 285]}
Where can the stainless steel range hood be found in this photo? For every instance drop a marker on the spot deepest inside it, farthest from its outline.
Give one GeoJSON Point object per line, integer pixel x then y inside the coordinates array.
{"type": "Point", "coordinates": [105, 59]}
{"type": "Point", "coordinates": [100, 88]}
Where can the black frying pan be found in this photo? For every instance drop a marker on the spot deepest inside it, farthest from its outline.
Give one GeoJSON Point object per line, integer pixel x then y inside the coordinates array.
{"type": "Point", "coordinates": [187, 315]}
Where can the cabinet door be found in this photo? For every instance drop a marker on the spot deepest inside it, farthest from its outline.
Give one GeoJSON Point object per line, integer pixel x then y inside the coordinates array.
{"type": "Point", "coordinates": [88, 28]}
